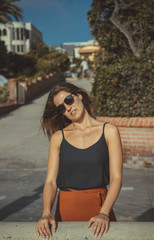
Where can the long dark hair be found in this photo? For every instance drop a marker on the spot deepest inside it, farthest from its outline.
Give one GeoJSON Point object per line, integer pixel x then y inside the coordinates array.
{"type": "Point", "coordinates": [53, 121]}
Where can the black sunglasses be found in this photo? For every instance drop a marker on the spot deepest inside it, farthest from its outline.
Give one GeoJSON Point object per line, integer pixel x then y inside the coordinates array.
{"type": "Point", "coordinates": [69, 100]}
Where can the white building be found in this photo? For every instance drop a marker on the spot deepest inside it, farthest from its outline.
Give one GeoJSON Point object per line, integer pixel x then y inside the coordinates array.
{"type": "Point", "coordinates": [19, 36]}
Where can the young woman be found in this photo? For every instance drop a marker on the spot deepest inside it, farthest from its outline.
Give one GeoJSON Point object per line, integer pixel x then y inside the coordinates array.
{"type": "Point", "coordinates": [85, 156]}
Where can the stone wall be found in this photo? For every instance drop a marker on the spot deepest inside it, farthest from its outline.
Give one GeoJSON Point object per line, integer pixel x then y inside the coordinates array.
{"type": "Point", "coordinates": [137, 136]}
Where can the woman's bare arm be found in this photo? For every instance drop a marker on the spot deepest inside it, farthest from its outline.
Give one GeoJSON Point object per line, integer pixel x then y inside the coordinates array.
{"type": "Point", "coordinates": [115, 165]}
{"type": "Point", "coordinates": [50, 187]}
{"type": "Point", "coordinates": [101, 221]}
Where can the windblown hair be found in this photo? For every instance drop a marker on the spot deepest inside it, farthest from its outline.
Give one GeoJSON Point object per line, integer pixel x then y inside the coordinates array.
{"type": "Point", "coordinates": [52, 120]}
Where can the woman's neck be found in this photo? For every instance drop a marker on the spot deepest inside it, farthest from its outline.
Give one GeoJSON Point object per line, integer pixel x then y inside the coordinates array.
{"type": "Point", "coordinates": [86, 122]}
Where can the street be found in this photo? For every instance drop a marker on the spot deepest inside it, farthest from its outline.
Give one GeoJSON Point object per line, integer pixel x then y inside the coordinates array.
{"type": "Point", "coordinates": [23, 162]}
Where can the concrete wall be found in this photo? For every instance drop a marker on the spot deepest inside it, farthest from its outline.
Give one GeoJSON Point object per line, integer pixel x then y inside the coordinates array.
{"type": "Point", "coordinates": [79, 231]}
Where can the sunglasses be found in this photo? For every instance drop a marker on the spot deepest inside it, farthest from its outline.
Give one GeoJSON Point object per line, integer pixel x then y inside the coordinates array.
{"type": "Point", "coordinates": [69, 100]}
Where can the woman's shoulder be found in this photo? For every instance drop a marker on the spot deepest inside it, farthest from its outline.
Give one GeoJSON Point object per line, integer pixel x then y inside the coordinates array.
{"type": "Point", "coordinates": [111, 132]}
{"type": "Point", "coordinates": [110, 129]}
{"type": "Point", "coordinates": [108, 125]}
{"type": "Point", "coordinates": [56, 138]}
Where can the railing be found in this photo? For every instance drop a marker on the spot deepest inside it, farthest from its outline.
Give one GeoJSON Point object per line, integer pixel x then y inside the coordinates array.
{"type": "Point", "coordinates": [78, 231]}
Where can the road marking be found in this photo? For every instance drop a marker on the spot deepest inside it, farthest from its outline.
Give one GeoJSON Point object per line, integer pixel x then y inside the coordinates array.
{"type": "Point", "coordinates": [25, 135]}
{"type": "Point", "coordinates": [2, 197]}
{"type": "Point", "coordinates": [6, 146]}
{"type": "Point", "coordinates": [127, 188]}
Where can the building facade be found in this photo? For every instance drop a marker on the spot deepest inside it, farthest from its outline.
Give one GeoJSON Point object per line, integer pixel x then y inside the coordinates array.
{"type": "Point", "coordinates": [73, 49]}
{"type": "Point", "coordinates": [89, 52]}
{"type": "Point", "coordinates": [19, 36]}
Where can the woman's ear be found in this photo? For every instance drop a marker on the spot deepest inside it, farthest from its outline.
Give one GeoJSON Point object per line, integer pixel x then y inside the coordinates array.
{"type": "Point", "coordinates": [79, 96]}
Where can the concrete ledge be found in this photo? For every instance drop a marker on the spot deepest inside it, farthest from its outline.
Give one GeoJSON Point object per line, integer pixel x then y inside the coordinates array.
{"type": "Point", "coordinates": [79, 230]}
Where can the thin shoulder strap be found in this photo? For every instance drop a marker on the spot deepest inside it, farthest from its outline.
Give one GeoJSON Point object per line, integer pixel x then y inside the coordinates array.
{"type": "Point", "coordinates": [62, 133]}
{"type": "Point", "coordinates": [104, 126]}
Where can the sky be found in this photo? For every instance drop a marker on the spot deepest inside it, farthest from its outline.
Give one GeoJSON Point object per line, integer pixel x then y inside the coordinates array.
{"type": "Point", "coordinates": [60, 21]}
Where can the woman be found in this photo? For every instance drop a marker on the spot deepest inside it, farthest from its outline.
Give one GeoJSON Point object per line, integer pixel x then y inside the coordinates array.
{"type": "Point", "coordinates": [85, 156]}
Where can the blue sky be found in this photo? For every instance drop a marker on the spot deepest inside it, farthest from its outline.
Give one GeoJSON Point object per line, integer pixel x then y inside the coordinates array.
{"type": "Point", "coordinates": [59, 20]}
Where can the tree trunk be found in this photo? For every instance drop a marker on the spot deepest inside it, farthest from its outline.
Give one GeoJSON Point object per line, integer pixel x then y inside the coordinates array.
{"type": "Point", "coordinates": [113, 19]}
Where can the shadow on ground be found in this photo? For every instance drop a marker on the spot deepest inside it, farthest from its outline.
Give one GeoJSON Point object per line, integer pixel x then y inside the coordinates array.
{"type": "Point", "coordinates": [20, 203]}
{"type": "Point", "coordinates": [147, 216]}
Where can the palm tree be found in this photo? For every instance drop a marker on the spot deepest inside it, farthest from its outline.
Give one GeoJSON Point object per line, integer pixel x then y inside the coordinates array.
{"type": "Point", "coordinates": [9, 10]}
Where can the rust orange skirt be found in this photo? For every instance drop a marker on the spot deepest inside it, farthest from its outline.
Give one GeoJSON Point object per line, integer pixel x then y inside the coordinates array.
{"type": "Point", "coordinates": [80, 205]}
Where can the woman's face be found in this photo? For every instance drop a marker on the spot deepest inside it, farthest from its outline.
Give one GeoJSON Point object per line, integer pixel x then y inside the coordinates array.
{"type": "Point", "coordinates": [73, 111]}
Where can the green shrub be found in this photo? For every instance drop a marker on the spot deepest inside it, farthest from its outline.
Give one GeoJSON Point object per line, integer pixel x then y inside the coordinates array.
{"type": "Point", "coordinates": [124, 88]}
{"type": "Point", "coordinates": [4, 94]}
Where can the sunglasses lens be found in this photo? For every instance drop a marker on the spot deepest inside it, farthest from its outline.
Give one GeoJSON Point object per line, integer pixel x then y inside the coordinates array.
{"type": "Point", "coordinates": [69, 100]}
{"type": "Point", "coordinates": [61, 108]}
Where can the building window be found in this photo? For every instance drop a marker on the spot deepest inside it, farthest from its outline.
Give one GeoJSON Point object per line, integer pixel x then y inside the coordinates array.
{"type": "Point", "coordinates": [27, 34]}
{"type": "Point", "coordinates": [4, 32]}
{"type": "Point", "coordinates": [22, 34]}
{"type": "Point", "coordinates": [86, 56]}
{"type": "Point", "coordinates": [22, 48]}
{"type": "Point", "coordinates": [18, 48]}
{"type": "Point", "coordinates": [13, 34]}
{"type": "Point", "coordinates": [18, 37]}
{"type": "Point", "coordinates": [13, 48]}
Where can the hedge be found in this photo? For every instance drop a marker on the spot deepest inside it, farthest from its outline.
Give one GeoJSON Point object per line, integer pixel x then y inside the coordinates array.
{"type": "Point", "coordinates": [4, 94]}
{"type": "Point", "coordinates": [124, 88]}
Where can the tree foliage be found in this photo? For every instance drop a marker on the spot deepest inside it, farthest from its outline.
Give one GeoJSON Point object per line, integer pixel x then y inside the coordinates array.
{"type": "Point", "coordinates": [123, 83]}
{"type": "Point", "coordinates": [8, 10]}
{"type": "Point", "coordinates": [39, 49]}
{"type": "Point", "coordinates": [123, 27]}
{"type": "Point", "coordinates": [20, 65]}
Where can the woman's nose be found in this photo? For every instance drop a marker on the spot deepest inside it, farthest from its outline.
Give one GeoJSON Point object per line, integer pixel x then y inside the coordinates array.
{"type": "Point", "coordinates": [68, 107]}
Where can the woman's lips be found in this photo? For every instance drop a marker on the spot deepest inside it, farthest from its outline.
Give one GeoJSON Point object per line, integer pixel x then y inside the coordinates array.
{"type": "Point", "coordinates": [73, 112]}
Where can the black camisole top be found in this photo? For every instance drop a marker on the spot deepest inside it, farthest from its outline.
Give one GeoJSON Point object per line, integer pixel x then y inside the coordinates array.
{"type": "Point", "coordinates": [83, 168]}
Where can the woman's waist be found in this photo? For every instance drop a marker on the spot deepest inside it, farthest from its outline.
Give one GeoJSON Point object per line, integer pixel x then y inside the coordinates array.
{"type": "Point", "coordinates": [93, 194]}
{"type": "Point", "coordinates": [80, 191]}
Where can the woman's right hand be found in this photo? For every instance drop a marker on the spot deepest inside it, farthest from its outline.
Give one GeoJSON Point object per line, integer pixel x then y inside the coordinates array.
{"type": "Point", "coordinates": [42, 227]}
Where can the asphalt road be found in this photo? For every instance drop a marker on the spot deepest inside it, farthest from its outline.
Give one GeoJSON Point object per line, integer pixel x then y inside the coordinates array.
{"type": "Point", "coordinates": [23, 162]}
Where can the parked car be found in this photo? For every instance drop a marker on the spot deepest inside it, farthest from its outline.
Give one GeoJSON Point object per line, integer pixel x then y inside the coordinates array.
{"type": "Point", "coordinates": [67, 74]}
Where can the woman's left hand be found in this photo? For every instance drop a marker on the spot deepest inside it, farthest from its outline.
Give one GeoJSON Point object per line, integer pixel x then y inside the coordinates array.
{"type": "Point", "coordinates": [101, 224]}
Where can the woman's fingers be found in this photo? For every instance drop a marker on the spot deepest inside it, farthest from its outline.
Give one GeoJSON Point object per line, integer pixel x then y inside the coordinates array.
{"type": "Point", "coordinates": [42, 231]}
{"type": "Point", "coordinates": [96, 229]}
{"type": "Point", "coordinates": [47, 229]}
{"type": "Point", "coordinates": [91, 221]}
{"type": "Point", "coordinates": [102, 230]}
{"type": "Point", "coordinates": [101, 225]}
{"type": "Point", "coordinates": [107, 227]}
{"type": "Point", "coordinates": [53, 223]}
{"type": "Point", "coordinates": [99, 229]}
{"type": "Point", "coordinates": [42, 227]}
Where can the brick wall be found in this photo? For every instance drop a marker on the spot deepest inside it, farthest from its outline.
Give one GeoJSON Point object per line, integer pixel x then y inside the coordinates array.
{"type": "Point", "coordinates": [137, 136]}
{"type": "Point", "coordinates": [11, 104]}
{"type": "Point", "coordinates": [12, 87]}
